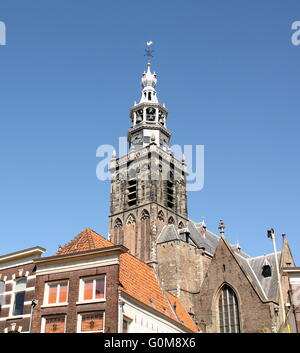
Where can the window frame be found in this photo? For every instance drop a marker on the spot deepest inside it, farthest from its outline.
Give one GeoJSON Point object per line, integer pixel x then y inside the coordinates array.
{"type": "Point", "coordinates": [81, 299]}
{"type": "Point", "coordinates": [2, 295]}
{"type": "Point", "coordinates": [236, 310]}
{"type": "Point", "coordinates": [44, 320]}
{"type": "Point", "coordinates": [79, 321]}
{"type": "Point", "coordinates": [13, 297]}
{"type": "Point", "coordinates": [267, 271]}
{"type": "Point", "coordinates": [128, 322]}
{"type": "Point", "coordinates": [47, 290]}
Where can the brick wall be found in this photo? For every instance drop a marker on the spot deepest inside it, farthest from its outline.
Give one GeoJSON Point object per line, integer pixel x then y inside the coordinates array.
{"type": "Point", "coordinates": [110, 306]}
{"type": "Point", "coordinates": [20, 321]}
{"type": "Point", "coordinates": [255, 315]}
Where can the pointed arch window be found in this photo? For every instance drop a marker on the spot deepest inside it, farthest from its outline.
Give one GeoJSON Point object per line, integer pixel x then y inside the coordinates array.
{"type": "Point", "coordinates": [161, 216]}
{"type": "Point", "coordinates": [130, 219]}
{"type": "Point", "coordinates": [118, 223]}
{"type": "Point", "coordinates": [118, 232]}
{"type": "Point", "coordinates": [171, 220]}
{"type": "Point", "coordinates": [180, 225]}
{"type": "Point", "coordinates": [228, 311]}
{"type": "Point", "coordinates": [266, 269]}
{"type": "Point", "coordinates": [145, 215]}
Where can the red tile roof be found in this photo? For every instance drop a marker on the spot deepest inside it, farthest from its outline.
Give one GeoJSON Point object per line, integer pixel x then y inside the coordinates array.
{"type": "Point", "coordinates": [86, 240]}
{"type": "Point", "coordinates": [181, 313]}
{"type": "Point", "coordinates": [137, 279]}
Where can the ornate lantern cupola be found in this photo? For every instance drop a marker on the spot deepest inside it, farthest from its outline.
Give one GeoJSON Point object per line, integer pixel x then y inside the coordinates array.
{"type": "Point", "coordinates": [148, 117]}
{"type": "Point", "coordinates": [148, 83]}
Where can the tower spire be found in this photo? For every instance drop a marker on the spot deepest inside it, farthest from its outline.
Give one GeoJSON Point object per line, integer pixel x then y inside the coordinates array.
{"type": "Point", "coordinates": [148, 188]}
{"type": "Point", "coordinates": [149, 117]}
{"type": "Point", "coordinates": [222, 228]}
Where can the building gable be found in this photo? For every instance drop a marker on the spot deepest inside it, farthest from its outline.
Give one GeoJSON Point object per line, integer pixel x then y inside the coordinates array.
{"type": "Point", "coordinates": [225, 268]}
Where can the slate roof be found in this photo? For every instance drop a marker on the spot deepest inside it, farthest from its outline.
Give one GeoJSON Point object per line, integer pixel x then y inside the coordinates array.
{"type": "Point", "coordinates": [137, 279]}
{"type": "Point", "coordinates": [269, 284]}
{"type": "Point", "coordinates": [193, 230]}
{"type": "Point", "coordinates": [252, 266]}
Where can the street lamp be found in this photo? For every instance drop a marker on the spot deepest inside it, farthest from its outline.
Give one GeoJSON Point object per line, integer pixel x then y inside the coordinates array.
{"type": "Point", "coordinates": [271, 235]}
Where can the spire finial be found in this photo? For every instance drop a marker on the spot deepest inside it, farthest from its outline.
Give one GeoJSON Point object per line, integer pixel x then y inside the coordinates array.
{"type": "Point", "coordinates": [114, 154]}
{"type": "Point", "coordinates": [222, 227]}
{"type": "Point", "coordinates": [149, 52]}
{"type": "Point", "coordinates": [238, 246]}
{"type": "Point", "coordinates": [203, 230]}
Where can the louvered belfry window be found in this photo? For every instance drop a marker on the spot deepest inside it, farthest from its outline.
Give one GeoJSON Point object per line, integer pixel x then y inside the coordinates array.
{"type": "Point", "coordinates": [228, 311]}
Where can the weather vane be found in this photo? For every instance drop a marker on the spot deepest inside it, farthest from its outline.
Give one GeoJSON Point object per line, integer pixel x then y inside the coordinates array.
{"type": "Point", "coordinates": [148, 50]}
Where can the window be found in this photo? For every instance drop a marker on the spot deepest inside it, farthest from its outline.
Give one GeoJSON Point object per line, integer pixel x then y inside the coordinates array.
{"type": "Point", "coordinates": [92, 289]}
{"type": "Point", "coordinates": [19, 296]}
{"type": "Point", "coordinates": [54, 324]}
{"type": "Point", "coordinates": [180, 225]}
{"type": "Point", "coordinates": [171, 220]}
{"type": "Point", "coordinates": [267, 271]}
{"type": "Point", "coordinates": [91, 322]}
{"type": "Point", "coordinates": [126, 325]}
{"type": "Point", "coordinates": [170, 188]}
{"type": "Point", "coordinates": [2, 285]}
{"type": "Point", "coordinates": [56, 293]}
{"type": "Point", "coordinates": [132, 192]}
{"type": "Point", "coordinates": [228, 311]}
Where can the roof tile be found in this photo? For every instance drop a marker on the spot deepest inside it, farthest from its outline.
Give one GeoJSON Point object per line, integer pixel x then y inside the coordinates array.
{"type": "Point", "coordinates": [137, 279]}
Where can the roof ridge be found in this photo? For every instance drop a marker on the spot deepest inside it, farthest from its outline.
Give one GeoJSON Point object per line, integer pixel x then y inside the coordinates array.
{"type": "Point", "coordinates": [237, 257]}
{"type": "Point", "coordinates": [179, 307]}
{"type": "Point", "coordinates": [85, 240]}
{"type": "Point", "coordinates": [165, 295]}
{"type": "Point", "coordinates": [160, 233]}
{"type": "Point", "coordinates": [69, 243]}
{"type": "Point", "coordinates": [90, 238]}
{"type": "Point", "coordinates": [171, 306]}
{"type": "Point", "coordinates": [257, 257]}
{"type": "Point", "coordinates": [256, 278]}
{"type": "Point", "coordinates": [207, 230]}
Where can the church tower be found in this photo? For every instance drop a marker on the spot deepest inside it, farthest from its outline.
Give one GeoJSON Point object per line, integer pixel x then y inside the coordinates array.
{"type": "Point", "coordinates": [148, 187]}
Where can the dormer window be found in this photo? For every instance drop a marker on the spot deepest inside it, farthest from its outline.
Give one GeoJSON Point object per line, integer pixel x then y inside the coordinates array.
{"type": "Point", "coordinates": [266, 271]}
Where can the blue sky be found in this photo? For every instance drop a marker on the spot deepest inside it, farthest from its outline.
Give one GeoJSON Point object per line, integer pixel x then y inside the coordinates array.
{"type": "Point", "coordinates": [69, 74]}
